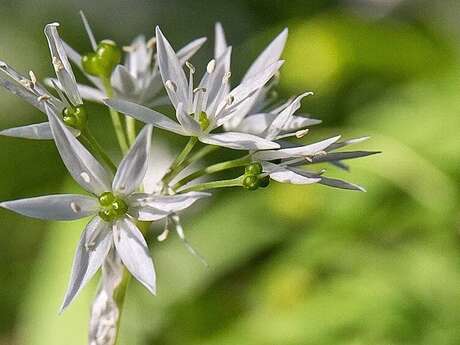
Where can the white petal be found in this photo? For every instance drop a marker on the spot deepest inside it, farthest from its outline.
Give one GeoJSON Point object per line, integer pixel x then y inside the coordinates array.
{"type": "Point", "coordinates": [220, 44]}
{"type": "Point", "coordinates": [285, 175]}
{"type": "Point", "coordinates": [95, 243]}
{"type": "Point", "coordinates": [134, 253]}
{"type": "Point", "coordinates": [171, 69]}
{"type": "Point", "coordinates": [83, 167]}
{"type": "Point", "coordinates": [145, 115]}
{"type": "Point", "coordinates": [336, 183]}
{"type": "Point", "coordinates": [270, 55]}
{"type": "Point", "coordinates": [40, 131]}
{"type": "Point", "coordinates": [238, 141]}
{"type": "Point", "coordinates": [255, 124]}
{"type": "Point", "coordinates": [147, 207]}
{"type": "Point", "coordinates": [300, 151]}
{"type": "Point", "coordinates": [123, 81]}
{"type": "Point", "coordinates": [283, 118]}
{"type": "Point", "coordinates": [187, 122]}
{"type": "Point", "coordinates": [54, 207]}
{"type": "Point", "coordinates": [347, 142]}
{"type": "Point", "coordinates": [91, 94]}
{"type": "Point", "coordinates": [252, 85]}
{"type": "Point", "coordinates": [186, 52]}
{"type": "Point", "coordinates": [133, 167]}
{"type": "Point", "coordinates": [61, 64]}
{"type": "Point", "coordinates": [22, 92]}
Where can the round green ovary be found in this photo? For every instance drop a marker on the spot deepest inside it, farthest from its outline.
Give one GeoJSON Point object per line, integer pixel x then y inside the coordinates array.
{"type": "Point", "coordinates": [75, 117]}
{"type": "Point", "coordinates": [253, 169]}
{"type": "Point", "coordinates": [204, 121]}
{"type": "Point", "coordinates": [251, 182]}
{"type": "Point", "coordinates": [112, 207]}
{"type": "Point", "coordinates": [102, 62]}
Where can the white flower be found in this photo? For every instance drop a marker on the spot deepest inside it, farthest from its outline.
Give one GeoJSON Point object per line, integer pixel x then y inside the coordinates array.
{"type": "Point", "coordinates": [204, 108]}
{"type": "Point", "coordinates": [29, 89]}
{"type": "Point", "coordinates": [115, 205]}
{"type": "Point", "coordinates": [137, 79]}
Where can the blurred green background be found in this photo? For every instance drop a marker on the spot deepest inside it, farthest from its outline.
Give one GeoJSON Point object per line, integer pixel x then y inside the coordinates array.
{"type": "Point", "coordinates": [289, 265]}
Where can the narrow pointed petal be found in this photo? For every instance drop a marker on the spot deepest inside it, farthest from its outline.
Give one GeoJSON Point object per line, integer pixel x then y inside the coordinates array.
{"type": "Point", "coordinates": [239, 141]}
{"type": "Point", "coordinates": [134, 253]}
{"type": "Point", "coordinates": [75, 57]}
{"type": "Point", "coordinates": [133, 167]}
{"type": "Point", "coordinates": [347, 142]}
{"type": "Point", "coordinates": [22, 92]}
{"type": "Point", "coordinates": [220, 44]}
{"type": "Point", "coordinates": [83, 167]}
{"type": "Point", "coordinates": [92, 250]}
{"type": "Point", "coordinates": [336, 183]}
{"type": "Point", "coordinates": [255, 124]}
{"type": "Point", "coordinates": [86, 92]}
{"type": "Point", "coordinates": [300, 151]}
{"type": "Point", "coordinates": [145, 115]}
{"type": "Point", "coordinates": [171, 69]}
{"type": "Point", "coordinates": [54, 207]}
{"type": "Point", "coordinates": [122, 80]}
{"type": "Point", "coordinates": [147, 207]}
{"type": "Point", "coordinates": [270, 55]}
{"type": "Point", "coordinates": [338, 156]}
{"type": "Point", "coordinates": [283, 118]}
{"type": "Point", "coordinates": [284, 175]}
{"type": "Point", "coordinates": [187, 122]}
{"type": "Point", "coordinates": [61, 64]}
{"type": "Point", "coordinates": [39, 131]}
{"type": "Point", "coordinates": [186, 52]}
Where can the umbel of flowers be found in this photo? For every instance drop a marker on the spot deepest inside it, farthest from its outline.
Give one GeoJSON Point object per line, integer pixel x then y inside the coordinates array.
{"type": "Point", "coordinates": [213, 112]}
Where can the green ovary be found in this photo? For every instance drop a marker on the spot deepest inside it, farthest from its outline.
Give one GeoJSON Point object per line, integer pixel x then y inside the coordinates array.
{"type": "Point", "coordinates": [112, 207]}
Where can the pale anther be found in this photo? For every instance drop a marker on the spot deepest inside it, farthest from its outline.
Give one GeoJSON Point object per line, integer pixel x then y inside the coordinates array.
{"type": "Point", "coordinates": [190, 67]}
{"type": "Point", "coordinates": [26, 83]}
{"type": "Point", "coordinates": [171, 85]}
{"type": "Point", "coordinates": [230, 100]}
{"type": "Point", "coordinates": [227, 76]}
{"type": "Point", "coordinates": [43, 98]}
{"type": "Point", "coordinates": [151, 43]}
{"type": "Point", "coordinates": [198, 89]}
{"type": "Point", "coordinates": [3, 65]}
{"type": "Point", "coordinates": [33, 78]}
{"type": "Point", "coordinates": [301, 133]}
{"type": "Point", "coordinates": [85, 177]}
{"type": "Point", "coordinates": [57, 63]}
{"type": "Point", "coordinates": [75, 207]}
{"type": "Point", "coordinates": [211, 66]}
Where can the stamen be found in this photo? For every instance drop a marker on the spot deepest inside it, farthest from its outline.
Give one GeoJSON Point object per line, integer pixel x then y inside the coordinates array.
{"type": "Point", "coordinates": [151, 42]}
{"type": "Point", "coordinates": [129, 49]}
{"type": "Point", "coordinates": [75, 207]}
{"type": "Point", "coordinates": [3, 65]}
{"type": "Point", "coordinates": [230, 100]}
{"type": "Point", "coordinates": [43, 98]}
{"type": "Point", "coordinates": [226, 77]}
{"type": "Point", "coordinates": [211, 66]}
{"type": "Point", "coordinates": [198, 89]}
{"type": "Point", "coordinates": [33, 78]}
{"type": "Point", "coordinates": [171, 85]}
{"type": "Point", "coordinates": [85, 177]}
{"type": "Point", "coordinates": [301, 133]}
{"type": "Point", "coordinates": [26, 83]}
{"type": "Point", "coordinates": [57, 63]}
{"type": "Point", "coordinates": [190, 67]}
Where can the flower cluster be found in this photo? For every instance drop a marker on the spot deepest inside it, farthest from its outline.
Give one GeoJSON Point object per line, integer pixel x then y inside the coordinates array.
{"type": "Point", "coordinates": [212, 112]}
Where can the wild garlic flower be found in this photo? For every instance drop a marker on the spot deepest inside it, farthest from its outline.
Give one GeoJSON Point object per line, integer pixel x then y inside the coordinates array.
{"type": "Point", "coordinates": [204, 108]}
{"type": "Point", "coordinates": [69, 104]}
{"type": "Point", "coordinates": [137, 79]}
{"type": "Point", "coordinates": [115, 205]}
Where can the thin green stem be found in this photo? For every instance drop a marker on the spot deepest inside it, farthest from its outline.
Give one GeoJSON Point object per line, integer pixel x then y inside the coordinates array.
{"type": "Point", "coordinates": [93, 146]}
{"type": "Point", "coordinates": [213, 169]}
{"type": "Point", "coordinates": [175, 167]}
{"type": "Point", "coordinates": [116, 119]}
{"type": "Point", "coordinates": [236, 182]}
{"type": "Point", "coordinates": [131, 129]}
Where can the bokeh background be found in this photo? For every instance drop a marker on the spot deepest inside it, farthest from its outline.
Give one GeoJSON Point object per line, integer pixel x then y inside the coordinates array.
{"type": "Point", "coordinates": [289, 265]}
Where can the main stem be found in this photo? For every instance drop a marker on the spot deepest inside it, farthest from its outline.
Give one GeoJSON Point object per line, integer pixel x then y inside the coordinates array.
{"type": "Point", "coordinates": [116, 119]}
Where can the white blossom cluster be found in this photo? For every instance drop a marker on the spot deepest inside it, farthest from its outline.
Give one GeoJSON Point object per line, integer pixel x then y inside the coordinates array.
{"type": "Point", "coordinates": [213, 111]}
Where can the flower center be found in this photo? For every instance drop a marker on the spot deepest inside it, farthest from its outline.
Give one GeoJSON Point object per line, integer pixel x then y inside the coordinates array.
{"type": "Point", "coordinates": [112, 207]}
{"type": "Point", "coordinates": [75, 117]}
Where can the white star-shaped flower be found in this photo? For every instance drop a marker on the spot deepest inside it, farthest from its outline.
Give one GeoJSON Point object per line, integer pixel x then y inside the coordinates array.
{"type": "Point", "coordinates": [115, 205]}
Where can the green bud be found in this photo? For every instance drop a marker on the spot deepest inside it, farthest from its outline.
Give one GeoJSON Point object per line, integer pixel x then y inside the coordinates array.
{"type": "Point", "coordinates": [264, 181]}
{"type": "Point", "coordinates": [102, 62]}
{"type": "Point", "coordinates": [250, 182]}
{"type": "Point", "coordinates": [203, 120]}
{"type": "Point", "coordinates": [253, 169]}
{"type": "Point", "coordinates": [75, 117]}
{"type": "Point", "coordinates": [112, 207]}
